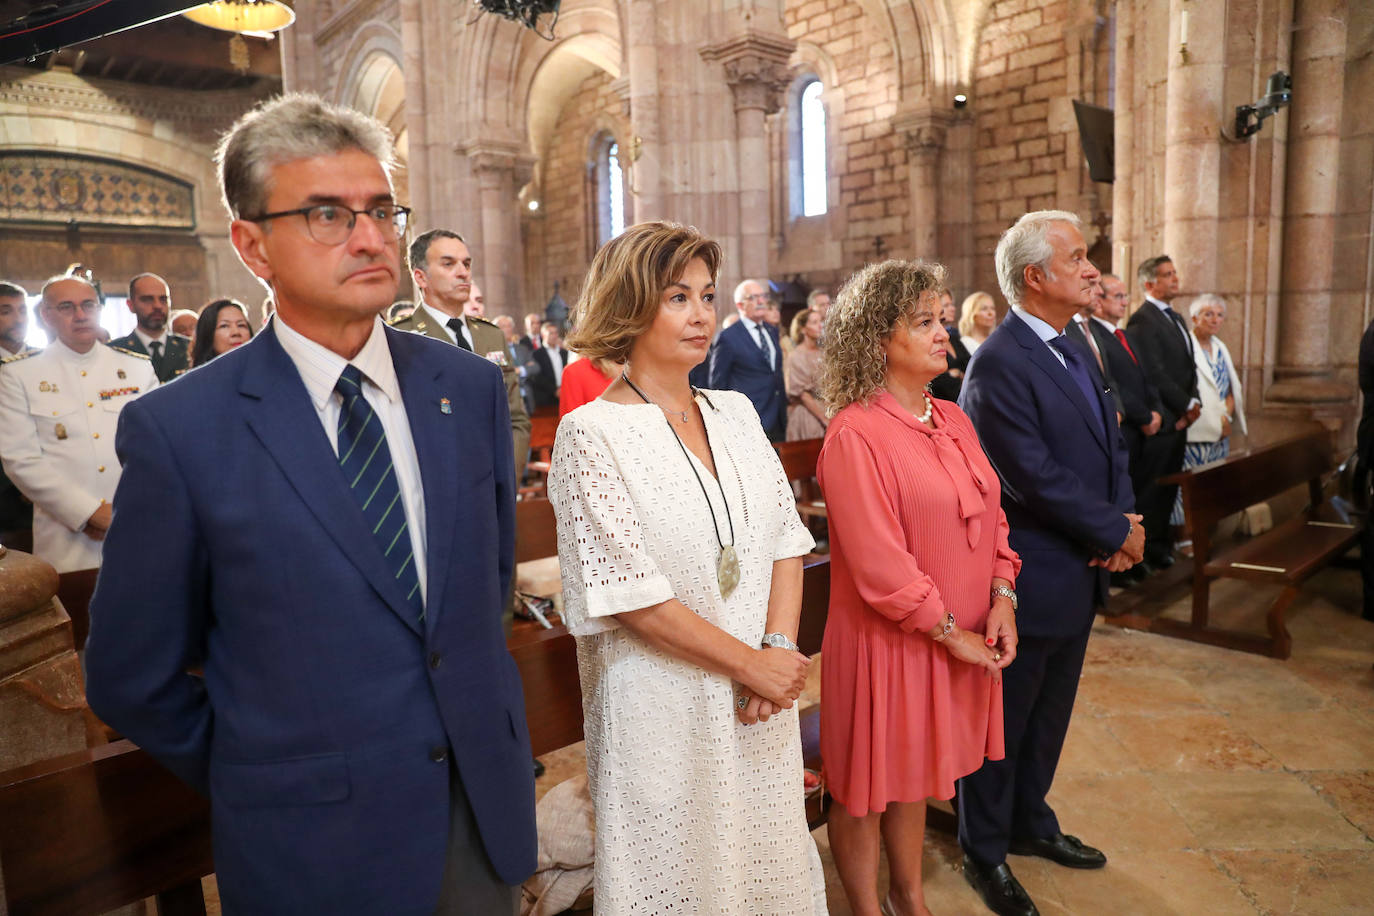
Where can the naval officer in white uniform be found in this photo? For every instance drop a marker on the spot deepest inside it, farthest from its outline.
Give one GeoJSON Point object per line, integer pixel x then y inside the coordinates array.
{"type": "Point", "coordinates": [58, 411]}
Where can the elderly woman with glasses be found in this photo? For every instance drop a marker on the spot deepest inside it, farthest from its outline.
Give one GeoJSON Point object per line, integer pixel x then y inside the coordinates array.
{"type": "Point", "coordinates": [921, 620]}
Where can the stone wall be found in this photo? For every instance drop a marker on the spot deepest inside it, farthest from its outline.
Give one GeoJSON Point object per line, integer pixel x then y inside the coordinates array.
{"type": "Point", "coordinates": [561, 238]}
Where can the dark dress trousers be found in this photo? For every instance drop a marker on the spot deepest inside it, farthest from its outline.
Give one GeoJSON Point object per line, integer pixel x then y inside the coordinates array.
{"type": "Point", "coordinates": [1166, 352]}
{"type": "Point", "coordinates": [330, 726]}
{"type": "Point", "coordinates": [1065, 488]}
{"type": "Point", "coordinates": [175, 357]}
{"type": "Point", "coordinates": [738, 363]}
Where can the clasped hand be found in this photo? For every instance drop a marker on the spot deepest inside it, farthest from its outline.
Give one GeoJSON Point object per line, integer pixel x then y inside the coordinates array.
{"type": "Point", "coordinates": [776, 678]}
{"type": "Point", "coordinates": [1132, 550]}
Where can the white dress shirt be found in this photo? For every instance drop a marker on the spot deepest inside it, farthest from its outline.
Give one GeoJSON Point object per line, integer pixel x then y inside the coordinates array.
{"type": "Point", "coordinates": [1043, 329]}
{"type": "Point", "coordinates": [320, 369]}
{"type": "Point", "coordinates": [556, 361]}
{"type": "Point", "coordinates": [138, 332]}
{"type": "Point", "coordinates": [442, 319]}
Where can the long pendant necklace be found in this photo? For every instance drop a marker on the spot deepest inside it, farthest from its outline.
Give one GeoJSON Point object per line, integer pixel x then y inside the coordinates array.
{"type": "Point", "coordinates": [727, 562]}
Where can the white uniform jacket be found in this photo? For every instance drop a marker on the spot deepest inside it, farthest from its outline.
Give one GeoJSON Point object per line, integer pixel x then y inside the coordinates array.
{"type": "Point", "coordinates": [58, 413]}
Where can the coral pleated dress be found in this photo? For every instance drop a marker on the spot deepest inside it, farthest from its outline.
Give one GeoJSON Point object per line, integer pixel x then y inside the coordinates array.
{"type": "Point", "coordinates": [916, 529]}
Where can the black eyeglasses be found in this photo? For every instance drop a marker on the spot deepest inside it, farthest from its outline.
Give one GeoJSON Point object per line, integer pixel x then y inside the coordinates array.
{"type": "Point", "coordinates": [328, 225]}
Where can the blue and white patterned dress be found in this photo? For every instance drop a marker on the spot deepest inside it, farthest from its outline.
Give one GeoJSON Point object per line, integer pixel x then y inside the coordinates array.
{"type": "Point", "coordinates": [1198, 453]}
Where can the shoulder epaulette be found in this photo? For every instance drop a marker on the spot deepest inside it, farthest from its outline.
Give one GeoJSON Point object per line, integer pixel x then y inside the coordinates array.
{"type": "Point", "coordinates": [130, 352]}
{"type": "Point", "coordinates": [481, 320]}
{"type": "Point", "coordinates": [18, 356]}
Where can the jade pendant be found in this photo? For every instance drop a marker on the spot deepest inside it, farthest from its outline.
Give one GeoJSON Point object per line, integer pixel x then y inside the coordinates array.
{"type": "Point", "coordinates": [727, 571]}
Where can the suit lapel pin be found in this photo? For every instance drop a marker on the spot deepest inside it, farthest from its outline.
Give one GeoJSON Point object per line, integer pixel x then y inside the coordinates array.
{"type": "Point", "coordinates": [445, 405]}
{"type": "Point", "coordinates": [122, 374]}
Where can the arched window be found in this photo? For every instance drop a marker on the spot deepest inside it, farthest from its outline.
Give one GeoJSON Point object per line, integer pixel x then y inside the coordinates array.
{"type": "Point", "coordinates": [807, 153]}
{"type": "Point", "coordinates": [608, 183]}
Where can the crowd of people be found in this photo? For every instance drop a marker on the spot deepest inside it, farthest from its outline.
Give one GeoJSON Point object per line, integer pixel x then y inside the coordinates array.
{"type": "Point", "coordinates": [322, 653]}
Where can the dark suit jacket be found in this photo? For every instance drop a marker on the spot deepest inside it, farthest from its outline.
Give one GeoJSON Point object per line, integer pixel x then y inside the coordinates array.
{"type": "Point", "coordinates": [318, 726]}
{"type": "Point", "coordinates": [176, 355]}
{"type": "Point", "coordinates": [1168, 359]}
{"type": "Point", "coordinates": [1364, 434]}
{"type": "Point", "coordinates": [1074, 331]}
{"type": "Point", "coordinates": [1065, 483]}
{"type": "Point", "coordinates": [946, 385]}
{"type": "Point", "coordinates": [1137, 393]}
{"type": "Point", "coordinates": [543, 386]}
{"type": "Point", "coordinates": [738, 364]}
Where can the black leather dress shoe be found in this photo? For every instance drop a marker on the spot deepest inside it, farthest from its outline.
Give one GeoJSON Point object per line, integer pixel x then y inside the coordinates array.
{"type": "Point", "coordinates": [1069, 851]}
{"type": "Point", "coordinates": [999, 889]}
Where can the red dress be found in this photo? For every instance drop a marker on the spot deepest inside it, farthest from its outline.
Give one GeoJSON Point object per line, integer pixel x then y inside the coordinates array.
{"type": "Point", "coordinates": [582, 382]}
{"type": "Point", "coordinates": [916, 529]}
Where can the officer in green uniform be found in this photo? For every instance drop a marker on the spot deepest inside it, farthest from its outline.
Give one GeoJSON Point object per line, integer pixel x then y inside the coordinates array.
{"type": "Point", "coordinates": [150, 300]}
{"type": "Point", "coordinates": [442, 268]}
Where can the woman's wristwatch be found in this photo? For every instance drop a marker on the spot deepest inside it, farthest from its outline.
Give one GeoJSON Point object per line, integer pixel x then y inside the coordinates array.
{"type": "Point", "coordinates": [1005, 592]}
{"type": "Point", "coordinates": [778, 641]}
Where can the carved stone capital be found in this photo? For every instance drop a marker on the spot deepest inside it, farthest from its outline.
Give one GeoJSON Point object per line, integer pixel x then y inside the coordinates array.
{"type": "Point", "coordinates": [494, 161]}
{"type": "Point", "coordinates": [755, 68]}
{"type": "Point", "coordinates": [923, 134]}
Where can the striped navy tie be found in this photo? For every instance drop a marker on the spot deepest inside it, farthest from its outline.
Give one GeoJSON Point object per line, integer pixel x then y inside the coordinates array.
{"type": "Point", "coordinates": [366, 463]}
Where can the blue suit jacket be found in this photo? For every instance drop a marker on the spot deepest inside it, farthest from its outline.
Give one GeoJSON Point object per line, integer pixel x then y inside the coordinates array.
{"type": "Point", "coordinates": [739, 364]}
{"type": "Point", "coordinates": [1065, 483]}
{"type": "Point", "coordinates": [236, 547]}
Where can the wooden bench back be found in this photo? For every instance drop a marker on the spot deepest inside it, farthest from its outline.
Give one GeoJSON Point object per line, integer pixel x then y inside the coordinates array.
{"type": "Point", "coordinates": [536, 531]}
{"type": "Point", "coordinates": [543, 428]}
{"type": "Point", "coordinates": [799, 457]}
{"type": "Point", "coordinates": [1212, 492]}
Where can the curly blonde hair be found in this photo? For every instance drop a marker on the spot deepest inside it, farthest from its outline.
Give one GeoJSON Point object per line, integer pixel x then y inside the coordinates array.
{"type": "Point", "coordinates": [625, 282]}
{"type": "Point", "coordinates": [866, 311]}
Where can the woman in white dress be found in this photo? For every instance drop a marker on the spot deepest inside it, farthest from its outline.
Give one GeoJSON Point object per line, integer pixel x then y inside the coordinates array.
{"type": "Point", "coordinates": [977, 319]}
{"type": "Point", "coordinates": [680, 549]}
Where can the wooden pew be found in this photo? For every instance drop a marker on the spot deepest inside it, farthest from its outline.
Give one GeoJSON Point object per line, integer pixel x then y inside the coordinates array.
{"type": "Point", "coordinates": [74, 590]}
{"type": "Point", "coordinates": [1287, 555]}
{"type": "Point", "coordinates": [799, 464]}
{"type": "Point", "coordinates": [536, 530]}
{"type": "Point", "coordinates": [100, 829]}
{"type": "Point", "coordinates": [543, 428]}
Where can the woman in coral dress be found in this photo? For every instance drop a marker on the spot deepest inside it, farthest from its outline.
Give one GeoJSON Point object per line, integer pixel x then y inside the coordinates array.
{"type": "Point", "coordinates": [921, 617]}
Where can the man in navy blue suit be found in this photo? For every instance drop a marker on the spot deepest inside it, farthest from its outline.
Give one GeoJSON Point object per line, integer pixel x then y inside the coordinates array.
{"type": "Point", "coordinates": [1050, 430]}
{"type": "Point", "coordinates": [747, 358]}
{"type": "Point", "coordinates": [312, 540]}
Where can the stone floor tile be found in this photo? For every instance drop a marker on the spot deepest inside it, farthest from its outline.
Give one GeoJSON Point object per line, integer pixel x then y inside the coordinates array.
{"type": "Point", "coordinates": [1352, 794]}
{"type": "Point", "coordinates": [1113, 647]}
{"type": "Point", "coordinates": [1154, 883]}
{"type": "Point", "coordinates": [1189, 742]}
{"type": "Point", "coordinates": [1285, 883]}
{"type": "Point", "coordinates": [1252, 683]}
{"type": "Point", "coordinates": [1137, 691]}
{"type": "Point", "coordinates": [1118, 812]}
{"type": "Point", "coordinates": [1323, 739]}
{"type": "Point", "coordinates": [1256, 810]}
{"type": "Point", "coordinates": [1092, 748]}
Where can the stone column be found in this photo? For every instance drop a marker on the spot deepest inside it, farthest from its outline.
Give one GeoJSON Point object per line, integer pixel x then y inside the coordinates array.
{"type": "Point", "coordinates": [1303, 373]}
{"type": "Point", "coordinates": [498, 261]}
{"type": "Point", "coordinates": [417, 108]}
{"type": "Point", "coordinates": [756, 71]}
{"type": "Point", "coordinates": [1123, 129]}
{"type": "Point", "coordinates": [1192, 151]}
{"type": "Point", "coordinates": [643, 154]}
{"type": "Point", "coordinates": [923, 133]}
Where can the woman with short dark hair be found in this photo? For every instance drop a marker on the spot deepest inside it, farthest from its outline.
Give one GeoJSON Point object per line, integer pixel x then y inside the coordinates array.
{"type": "Point", "coordinates": [222, 326]}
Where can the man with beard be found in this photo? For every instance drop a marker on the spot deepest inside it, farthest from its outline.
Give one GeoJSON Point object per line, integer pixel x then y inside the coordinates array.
{"type": "Point", "coordinates": [150, 300]}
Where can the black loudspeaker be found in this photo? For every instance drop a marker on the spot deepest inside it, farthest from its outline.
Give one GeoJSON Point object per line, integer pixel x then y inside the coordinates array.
{"type": "Point", "coordinates": [1099, 146]}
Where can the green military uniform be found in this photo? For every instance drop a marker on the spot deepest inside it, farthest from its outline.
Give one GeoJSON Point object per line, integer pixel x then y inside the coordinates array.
{"type": "Point", "coordinates": [176, 357]}
{"type": "Point", "coordinates": [489, 343]}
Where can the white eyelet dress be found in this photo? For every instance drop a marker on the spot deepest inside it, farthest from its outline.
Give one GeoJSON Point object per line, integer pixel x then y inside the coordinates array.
{"type": "Point", "coordinates": [695, 813]}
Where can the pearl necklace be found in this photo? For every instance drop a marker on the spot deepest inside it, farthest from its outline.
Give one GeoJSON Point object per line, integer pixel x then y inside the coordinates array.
{"type": "Point", "coordinates": [930, 407]}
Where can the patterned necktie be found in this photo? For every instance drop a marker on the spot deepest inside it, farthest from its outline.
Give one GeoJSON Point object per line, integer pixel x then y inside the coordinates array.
{"type": "Point", "coordinates": [1073, 361]}
{"type": "Point", "coordinates": [366, 463]}
{"type": "Point", "coordinates": [456, 326]}
{"type": "Point", "coordinates": [763, 344]}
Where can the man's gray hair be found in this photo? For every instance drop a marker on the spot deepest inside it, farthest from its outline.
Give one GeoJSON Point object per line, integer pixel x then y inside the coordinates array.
{"type": "Point", "coordinates": [285, 129]}
{"type": "Point", "coordinates": [739, 290]}
{"type": "Point", "coordinates": [1203, 301]}
{"type": "Point", "coordinates": [1148, 270]}
{"type": "Point", "coordinates": [1026, 244]}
